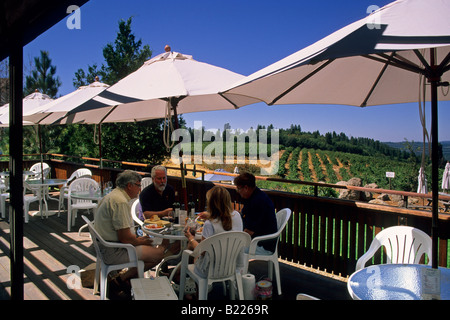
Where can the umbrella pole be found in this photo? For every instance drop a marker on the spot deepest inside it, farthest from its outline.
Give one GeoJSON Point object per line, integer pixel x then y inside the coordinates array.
{"type": "Point", "coordinates": [183, 178]}
{"type": "Point", "coordinates": [40, 151]}
{"type": "Point", "coordinates": [434, 79]}
{"type": "Point", "coordinates": [100, 156]}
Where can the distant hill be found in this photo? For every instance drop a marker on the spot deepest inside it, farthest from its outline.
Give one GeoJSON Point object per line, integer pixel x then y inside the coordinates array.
{"type": "Point", "coordinates": [419, 145]}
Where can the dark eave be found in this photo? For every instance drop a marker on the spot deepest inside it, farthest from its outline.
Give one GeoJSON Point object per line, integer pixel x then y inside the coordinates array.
{"type": "Point", "coordinates": [27, 19]}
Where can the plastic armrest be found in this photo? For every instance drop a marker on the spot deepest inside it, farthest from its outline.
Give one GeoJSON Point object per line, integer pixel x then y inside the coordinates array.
{"type": "Point", "coordinates": [256, 240]}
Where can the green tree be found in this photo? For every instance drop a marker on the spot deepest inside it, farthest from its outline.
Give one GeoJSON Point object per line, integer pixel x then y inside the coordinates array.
{"type": "Point", "coordinates": [141, 141]}
{"type": "Point", "coordinates": [43, 77]}
{"type": "Point", "coordinates": [122, 57]}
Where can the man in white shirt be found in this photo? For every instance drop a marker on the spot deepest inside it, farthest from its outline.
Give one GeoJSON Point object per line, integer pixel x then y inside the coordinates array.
{"type": "Point", "coordinates": [114, 223]}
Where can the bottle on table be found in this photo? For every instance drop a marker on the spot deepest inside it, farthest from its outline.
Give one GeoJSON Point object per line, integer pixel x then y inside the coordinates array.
{"type": "Point", "coordinates": [176, 207]}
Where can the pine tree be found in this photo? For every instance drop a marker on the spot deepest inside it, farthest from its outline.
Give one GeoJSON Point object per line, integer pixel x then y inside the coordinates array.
{"type": "Point", "coordinates": [122, 57]}
{"type": "Point", "coordinates": [42, 77]}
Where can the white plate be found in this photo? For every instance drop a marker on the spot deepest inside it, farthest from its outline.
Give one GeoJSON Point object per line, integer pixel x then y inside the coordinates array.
{"type": "Point", "coordinates": [147, 227]}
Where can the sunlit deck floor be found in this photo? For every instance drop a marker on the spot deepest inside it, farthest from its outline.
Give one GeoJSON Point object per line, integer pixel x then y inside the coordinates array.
{"type": "Point", "coordinates": [49, 250]}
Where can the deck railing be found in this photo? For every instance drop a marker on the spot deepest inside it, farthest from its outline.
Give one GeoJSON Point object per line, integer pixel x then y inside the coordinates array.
{"type": "Point", "coordinates": [327, 234]}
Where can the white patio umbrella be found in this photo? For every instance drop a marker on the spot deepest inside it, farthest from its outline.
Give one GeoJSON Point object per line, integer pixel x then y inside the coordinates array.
{"type": "Point", "coordinates": [30, 102]}
{"type": "Point", "coordinates": [57, 109]}
{"type": "Point", "coordinates": [446, 177]}
{"type": "Point", "coordinates": [422, 182]}
{"type": "Point", "coordinates": [169, 84]}
{"type": "Point", "coordinates": [377, 60]}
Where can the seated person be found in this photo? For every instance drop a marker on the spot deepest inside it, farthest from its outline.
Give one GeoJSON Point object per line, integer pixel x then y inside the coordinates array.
{"type": "Point", "coordinates": [114, 223]}
{"type": "Point", "coordinates": [258, 213]}
{"type": "Point", "coordinates": [158, 197]}
{"type": "Point", "coordinates": [220, 217]}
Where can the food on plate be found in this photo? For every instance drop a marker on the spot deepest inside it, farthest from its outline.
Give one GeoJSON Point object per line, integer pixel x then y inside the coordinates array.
{"type": "Point", "coordinates": [159, 223]}
{"type": "Point", "coordinates": [154, 218]}
{"type": "Point", "coordinates": [152, 226]}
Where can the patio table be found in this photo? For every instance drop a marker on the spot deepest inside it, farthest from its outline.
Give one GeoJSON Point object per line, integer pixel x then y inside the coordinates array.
{"type": "Point", "coordinates": [177, 233]}
{"type": "Point", "coordinates": [42, 184]}
{"type": "Point", "coordinates": [399, 282]}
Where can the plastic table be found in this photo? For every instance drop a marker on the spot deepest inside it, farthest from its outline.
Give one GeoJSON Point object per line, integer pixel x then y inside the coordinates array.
{"type": "Point", "coordinates": [399, 282]}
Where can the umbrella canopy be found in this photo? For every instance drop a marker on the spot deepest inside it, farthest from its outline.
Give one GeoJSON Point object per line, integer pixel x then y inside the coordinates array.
{"type": "Point", "coordinates": [217, 176]}
{"type": "Point", "coordinates": [53, 111]}
{"type": "Point", "coordinates": [446, 177]}
{"type": "Point", "coordinates": [30, 102]}
{"type": "Point", "coordinates": [168, 81]}
{"type": "Point", "coordinates": [382, 59]}
{"type": "Point", "coordinates": [360, 64]}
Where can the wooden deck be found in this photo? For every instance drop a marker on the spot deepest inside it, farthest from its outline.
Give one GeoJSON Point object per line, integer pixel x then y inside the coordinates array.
{"type": "Point", "coordinates": [49, 250]}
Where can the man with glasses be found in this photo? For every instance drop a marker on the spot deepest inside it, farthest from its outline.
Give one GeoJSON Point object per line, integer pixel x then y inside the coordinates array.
{"type": "Point", "coordinates": [158, 197]}
{"type": "Point", "coordinates": [114, 223]}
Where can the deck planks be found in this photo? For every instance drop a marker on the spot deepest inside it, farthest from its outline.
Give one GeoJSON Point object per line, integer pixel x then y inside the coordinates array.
{"type": "Point", "coordinates": [48, 251]}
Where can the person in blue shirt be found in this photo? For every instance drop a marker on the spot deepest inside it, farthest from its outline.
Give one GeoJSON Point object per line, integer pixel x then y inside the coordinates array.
{"type": "Point", "coordinates": [258, 213]}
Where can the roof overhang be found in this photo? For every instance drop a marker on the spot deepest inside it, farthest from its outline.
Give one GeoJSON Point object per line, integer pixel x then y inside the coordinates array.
{"type": "Point", "coordinates": [27, 19]}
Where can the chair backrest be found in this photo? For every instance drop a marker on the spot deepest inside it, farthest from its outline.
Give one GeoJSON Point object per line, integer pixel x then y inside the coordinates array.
{"type": "Point", "coordinates": [96, 238]}
{"type": "Point", "coordinates": [402, 245]}
{"type": "Point", "coordinates": [82, 172]}
{"type": "Point", "coordinates": [82, 185]}
{"type": "Point", "coordinates": [3, 185]}
{"type": "Point", "coordinates": [223, 250]}
{"type": "Point", "coordinates": [282, 218]}
{"type": "Point", "coordinates": [146, 181]}
{"type": "Point", "coordinates": [37, 169]}
{"type": "Point", "coordinates": [135, 213]}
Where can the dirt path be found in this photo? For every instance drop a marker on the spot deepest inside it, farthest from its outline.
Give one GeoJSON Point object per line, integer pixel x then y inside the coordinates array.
{"type": "Point", "coordinates": [311, 168]}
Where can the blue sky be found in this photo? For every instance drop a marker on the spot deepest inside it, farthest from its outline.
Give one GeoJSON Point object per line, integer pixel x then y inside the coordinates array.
{"type": "Point", "coordinates": [242, 36]}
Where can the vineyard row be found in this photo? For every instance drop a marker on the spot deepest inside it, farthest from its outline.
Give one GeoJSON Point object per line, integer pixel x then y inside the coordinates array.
{"type": "Point", "coordinates": [332, 166]}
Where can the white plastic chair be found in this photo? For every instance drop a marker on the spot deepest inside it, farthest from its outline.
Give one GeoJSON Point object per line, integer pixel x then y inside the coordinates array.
{"type": "Point", "coordinates": [29, 198]}
{"type": "Point", "coordinates": [3, 185]}
{"type": "Point", "coordinates": [134, 213]}
{"type": "Point", "coordinates": [403, 244]}
{"type": "Point", "coordinates": [146, 181]}
{"type": "Point", "coordinates": [282, 218]}
{"type": "Point", "coordinates": [3, 196]}
{"type": "Point", "coordinates": [102, 269]}
{"type": "Point", "coordinates": [223, 250]}
{"type": "Point", "coordinates": [304, 296]}
{"type": "Point", "coordinates": [37, 169]}
{"type": "Point", "coordinates": [63, 192]}
{"type": "Point", "coordinates": [79, 185]}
